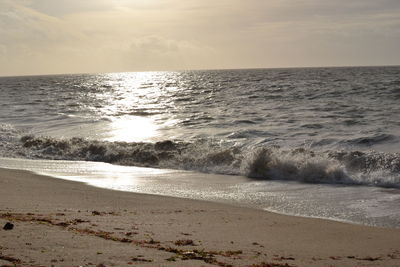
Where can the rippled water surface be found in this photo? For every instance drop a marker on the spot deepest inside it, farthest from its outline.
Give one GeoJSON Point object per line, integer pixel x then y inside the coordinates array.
{"type": "Point", "coordinates": [322, 107]}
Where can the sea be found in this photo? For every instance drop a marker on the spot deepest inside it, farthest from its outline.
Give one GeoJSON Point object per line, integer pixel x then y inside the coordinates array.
{"type": "Point", "coordinates": [311, 142]}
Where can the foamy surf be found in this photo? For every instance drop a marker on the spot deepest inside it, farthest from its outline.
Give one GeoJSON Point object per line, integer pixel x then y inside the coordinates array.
{"type": "Point", "coordinates": [260, 162]}
{"type": "Point", "coordinates": [356, 204]}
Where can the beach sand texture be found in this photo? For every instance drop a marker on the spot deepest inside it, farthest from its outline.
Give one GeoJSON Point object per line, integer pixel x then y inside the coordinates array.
{"type": "Point", "coordinates": [64, 223]}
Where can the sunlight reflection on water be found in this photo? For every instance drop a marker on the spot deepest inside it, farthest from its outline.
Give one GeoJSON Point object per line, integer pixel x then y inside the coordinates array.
{"type": "Point", "coordinates": [136, 106]}
{"type": "Point", "coordinates": [133, 129]}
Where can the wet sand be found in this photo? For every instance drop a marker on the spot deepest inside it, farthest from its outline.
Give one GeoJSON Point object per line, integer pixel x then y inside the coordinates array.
{"type": "Point", "coordinates": [64, 223]}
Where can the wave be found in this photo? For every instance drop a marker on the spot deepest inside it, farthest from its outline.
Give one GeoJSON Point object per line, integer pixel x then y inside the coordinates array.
{"type": "Point", "coordinates": [256, 162]}
{"type": "Point", "coordinates": [332, 167]}
{"type": "Point", "coordinates": [372, 140]}
{"type": "Point", "coordinates": [261, 161]}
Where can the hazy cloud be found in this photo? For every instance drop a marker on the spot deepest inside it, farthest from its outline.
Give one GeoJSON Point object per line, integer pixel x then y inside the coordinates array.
{"type": "Point", "coordinates": [154, 53]}
{"type": "Point", "coordinates": [63, 7]}
{"type": "Point", "coordinates": [42, 36]}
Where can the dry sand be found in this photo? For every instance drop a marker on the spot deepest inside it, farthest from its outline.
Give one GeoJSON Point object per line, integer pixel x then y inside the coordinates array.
{"type": "Point", "coordinates": [63, 223]}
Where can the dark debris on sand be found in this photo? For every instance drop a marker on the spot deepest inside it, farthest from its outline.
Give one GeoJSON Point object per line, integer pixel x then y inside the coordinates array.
{"type": "Point", "coordinates": [8, 226]}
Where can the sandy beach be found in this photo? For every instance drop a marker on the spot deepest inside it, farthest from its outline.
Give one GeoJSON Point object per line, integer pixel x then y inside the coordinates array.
{"type": "Point", "coordinates": [63, 223]}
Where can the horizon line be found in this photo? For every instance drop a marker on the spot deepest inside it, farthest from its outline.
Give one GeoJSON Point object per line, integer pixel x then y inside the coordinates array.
{"type": "Point", "coordinates": [200, 69]}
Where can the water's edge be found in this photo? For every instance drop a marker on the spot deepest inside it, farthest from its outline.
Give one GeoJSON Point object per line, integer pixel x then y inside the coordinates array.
{"type": "Point", "coordinates": [273, 196]}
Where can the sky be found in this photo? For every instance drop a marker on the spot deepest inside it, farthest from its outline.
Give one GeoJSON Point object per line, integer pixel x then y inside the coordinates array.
{"type": "Point", "coordinates": [87, 36]}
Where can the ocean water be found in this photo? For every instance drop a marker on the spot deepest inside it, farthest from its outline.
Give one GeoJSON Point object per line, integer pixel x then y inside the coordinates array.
{"type": "Point", "coordinates": [320, 142]}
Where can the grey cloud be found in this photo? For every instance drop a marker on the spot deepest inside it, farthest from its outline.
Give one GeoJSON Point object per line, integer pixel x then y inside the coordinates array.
{"type": "Point", "coordinates": [19, 25]}
{"type": "Point", "coordinates": [64, 7]}
{"type": "Point", "coordinates": [253, 12]}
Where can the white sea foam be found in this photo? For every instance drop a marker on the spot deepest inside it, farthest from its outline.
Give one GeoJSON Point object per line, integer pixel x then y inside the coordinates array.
{"type": "Point", "coordinates": [357, 204]}
{"type": "Point", "coordinates": [261, 162]}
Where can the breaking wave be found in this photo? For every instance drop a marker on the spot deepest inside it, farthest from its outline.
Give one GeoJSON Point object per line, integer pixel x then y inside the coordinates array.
{"type": "Point", "coordinates": [262, 162]}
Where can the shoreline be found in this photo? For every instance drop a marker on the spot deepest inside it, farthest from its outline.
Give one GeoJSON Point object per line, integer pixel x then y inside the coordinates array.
{"type": "Point", "coordinates": [281, 197]}
{"type": "Point", "coordinates": [65, 223]}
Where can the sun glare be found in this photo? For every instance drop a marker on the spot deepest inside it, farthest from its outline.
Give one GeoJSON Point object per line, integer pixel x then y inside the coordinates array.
{"type": "Point", "coordinates": [132, 129]}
